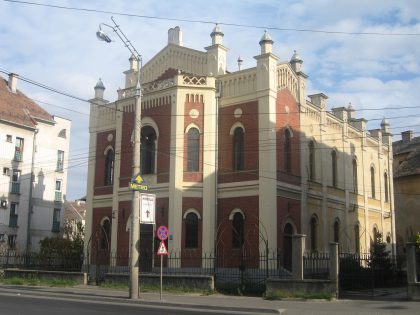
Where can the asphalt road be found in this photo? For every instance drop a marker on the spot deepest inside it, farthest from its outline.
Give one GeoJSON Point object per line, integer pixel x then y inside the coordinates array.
{"type": "Point", "coordinates": [12, 304]}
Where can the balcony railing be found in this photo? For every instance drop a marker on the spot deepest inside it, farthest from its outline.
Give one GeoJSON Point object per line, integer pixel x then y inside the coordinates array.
{"type": "Point", "coordinates": [15, 188]}
{"type": "Point", "coordinates": [13, 220]}
{"type": "Point", "coordinates": [56, 226]}
{"type": "Point", "coordinates": [57, 196]}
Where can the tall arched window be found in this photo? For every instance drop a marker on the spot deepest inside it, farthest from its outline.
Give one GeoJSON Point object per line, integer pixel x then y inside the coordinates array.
{"type": "Point", "coordinates": [193, 150]}
{"type": "Point", "coordinates": [357, 238]}
{"type": "Point", "coordinates": [386, 187]}
{"type": "Point", "coordinates": [287, 246]}
{"type": "Point", "coordinates": [311, 160]}
{"type": "Point", "coordinates": [148, 150]}
{"type": "Point", "coordinates": [314, 232]}
{"type": "Point", "coordinates": [334, 167]}
{"type": "Point", "coordinates": [337, 231]}
{"type": "Point", "coordinates": [355, 181]}
{"type": "Point", "coordinates": [105, 240]}
{"type": "Point", "coordinates": [237, 230]}
{"type": "Point", "coordinates": [191, 230]}
{"type": "Point", "coordinates": [238, 149]}
{"type": "Point", "coordinates": [109, 167]}
{"type": "Point", "coordinates": [372, 182]}
{"type": "Point", "coordinates": [287, 151]}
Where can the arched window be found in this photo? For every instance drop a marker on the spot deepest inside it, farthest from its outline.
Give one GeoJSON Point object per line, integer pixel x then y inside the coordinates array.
{"type": "Point", "coordinates": [287, 151]}
{"type": "Point", "coordinates": [62, 133]}
{"type": "Point", "coordinates": [193, 150]}
{"type": "Point", "coordinates": [105, 240]}
{"type": "Point", "coordinates": [109, 167]}
{"type": "Point", "coordinates": [238, 149]}
{"type": "Point", "coordinates": [148, 150]}
{"type": "Point", "coordinates": [355, 181]}
{"type": "Point", "coordinates": [337, 231]}
{"type": "Point", "coordinates": [386, 187]}
{"type": "Point", "coordinates": [311, 160]}
{"type": "Point", "coordinates": [314, 232]}
{"type": "Point", "coordinates": [372, 182]}
{"type": "Point", "coordinates": [334, 167]}
{"type": "Point", "coordinates": [357, 238]}
{"type": "Point", "coordinates": [237, 230]}
{"type": "Point", "coordinates": [191, 230]}
{"type": "Point", "coordinates": [375, 235]}
{"type": "Point", "coordinates": [287, 246]}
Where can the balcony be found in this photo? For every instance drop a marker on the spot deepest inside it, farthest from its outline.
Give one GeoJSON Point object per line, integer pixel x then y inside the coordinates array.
{"type": "Point", "coordinates": [15, 188]}
{"type": "Point", "coordinates": [55, 226]}
{"type": "Point", "coordinates": [13, 220]}
{"type": "Point", "coordinates": [57, 197]}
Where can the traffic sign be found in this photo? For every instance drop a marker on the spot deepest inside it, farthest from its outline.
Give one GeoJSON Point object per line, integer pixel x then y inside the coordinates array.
{"type": "Point", "coordinates": [162, 250]}
{"type": "Point", "coordinates": [138, 183]}
{"type": "Point", "coordinates": [147, 208]}
{"type": "Point", "coordinates": [162, 232]}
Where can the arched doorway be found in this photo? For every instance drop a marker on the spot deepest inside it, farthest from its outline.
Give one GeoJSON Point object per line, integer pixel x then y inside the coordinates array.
{"type": "Point", "coordinates": [287, 246]}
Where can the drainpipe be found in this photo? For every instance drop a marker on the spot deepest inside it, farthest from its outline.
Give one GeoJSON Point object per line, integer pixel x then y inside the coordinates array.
{"type": "Point", "coordinates": [28, 239]}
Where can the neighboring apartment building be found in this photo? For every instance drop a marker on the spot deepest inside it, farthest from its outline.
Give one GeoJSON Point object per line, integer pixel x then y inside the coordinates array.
{"type": "Point", "coordinates": [407, 188]}
{"type": "Point", "coordinates": [31, 142]}
{"type": "Point", "coordinates": [238, 160]}
{"type": "Point", "coordinates": [74, 218]}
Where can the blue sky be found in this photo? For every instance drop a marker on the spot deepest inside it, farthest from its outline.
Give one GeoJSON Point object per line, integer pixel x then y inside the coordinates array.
{"type": "Point", "coordinates": [58, 48]}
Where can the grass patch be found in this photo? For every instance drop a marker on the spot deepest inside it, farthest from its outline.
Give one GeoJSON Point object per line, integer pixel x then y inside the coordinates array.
{"type": "Point", "coordinates": [280, 294]}
{"type": "Point", "coordinates": [156, 288]}
{"type": "Point", "coordinates": [35, 281]}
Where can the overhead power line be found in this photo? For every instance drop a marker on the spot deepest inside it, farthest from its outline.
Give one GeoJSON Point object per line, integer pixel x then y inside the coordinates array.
{"type": "Point", "coordinates": [267, 27]}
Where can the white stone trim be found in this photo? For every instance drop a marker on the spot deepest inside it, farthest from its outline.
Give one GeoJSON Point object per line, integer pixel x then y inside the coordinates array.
{"type": "Point", "coordinates": [191, 211]}
{"type": "Point", "coordinates": [236, 125]}
{"type": "Point", "coordinates": [192, 125]}
{"type": "Point", "coordinates": [234, 211]}
{"type": "Point", "coordinates": [147, 121]}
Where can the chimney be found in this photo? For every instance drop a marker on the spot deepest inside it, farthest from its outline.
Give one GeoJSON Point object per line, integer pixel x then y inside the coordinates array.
{"type": "Point", "coordinates": [407, 136]}
{"type": "Point", "coordinates": [12, 83]}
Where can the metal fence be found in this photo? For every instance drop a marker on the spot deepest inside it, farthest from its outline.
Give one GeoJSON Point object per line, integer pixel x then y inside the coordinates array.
{"type": "Point", "coordinates": [316, 265]}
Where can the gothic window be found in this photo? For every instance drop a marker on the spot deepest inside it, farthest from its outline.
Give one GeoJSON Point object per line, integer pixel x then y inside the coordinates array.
{"type": "Point", "coordinates": [337, 231]}
{"type": "Point", "coordinates": [105, 240]}
{"type": "Point", "coordinates": [334, 167]}
{"type": "Point", "coordinates": [148, 150]}
{"type": "Point", "coordinates": [191, 230]}
{"type": "Point", "coordinates": [193, 150]}
{"type": "Point", "coordinates": [355, 182]}
{"type": "Point", "coordinates": [386, 187]}
{"type": "Point", "coordinates": [237, 230]}
{"type": "Point", "coordinates": [311, 160]}
{"type": "Point", "coordinates": [238, 149]}
{"type": "Point", "coordinates": [287, 151]}
{"type": "Point", "coordinates": [109, 167]}
{"type": "Point", "coordinates": [357, 238]}
{"type": "Point", "coordinates": [314, 232]}
{"type": "Point", "coordinates": [372, 182]}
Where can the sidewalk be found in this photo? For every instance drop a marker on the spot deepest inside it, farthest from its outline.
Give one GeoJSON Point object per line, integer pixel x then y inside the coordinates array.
{"type": "Point", "coordinates": [214, 302]}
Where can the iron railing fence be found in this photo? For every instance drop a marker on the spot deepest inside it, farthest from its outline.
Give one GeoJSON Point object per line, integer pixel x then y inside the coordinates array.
{"type": "Point", "coordinates": [316, 265]}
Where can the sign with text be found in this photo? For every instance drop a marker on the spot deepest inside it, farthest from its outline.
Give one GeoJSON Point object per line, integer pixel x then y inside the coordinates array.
{"type": "Point", "coordinates": [147, 208]}
{"type": "Point", "coordinates": [138, 183]}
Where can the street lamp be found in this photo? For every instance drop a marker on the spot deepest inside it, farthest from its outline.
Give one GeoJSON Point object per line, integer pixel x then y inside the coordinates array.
{"type": "Point", "coordinates": [135, 215]}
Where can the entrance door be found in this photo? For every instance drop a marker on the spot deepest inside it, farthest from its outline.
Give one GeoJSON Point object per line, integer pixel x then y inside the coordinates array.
{"type": "Point", "coordinates": [287, 246]}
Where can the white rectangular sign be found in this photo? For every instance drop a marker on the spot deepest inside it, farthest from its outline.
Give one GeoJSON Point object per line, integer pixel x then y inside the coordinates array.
{"type": "Point", "coordinates": [147, 208]}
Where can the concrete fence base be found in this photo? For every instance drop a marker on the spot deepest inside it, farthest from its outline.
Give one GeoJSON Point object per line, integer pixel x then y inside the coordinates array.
{"type": "Point", "coordinates": [78, 277]}
{"type": "Point", "coordinates": [306, 286]}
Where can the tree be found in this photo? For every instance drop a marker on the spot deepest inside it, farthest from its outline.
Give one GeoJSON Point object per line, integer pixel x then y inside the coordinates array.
{"type": "Point", "coordinates": [380, 258]}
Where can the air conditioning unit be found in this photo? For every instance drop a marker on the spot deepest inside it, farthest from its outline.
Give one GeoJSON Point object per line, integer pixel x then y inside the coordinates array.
{"type": "Point", "coordinates": [3, 203]}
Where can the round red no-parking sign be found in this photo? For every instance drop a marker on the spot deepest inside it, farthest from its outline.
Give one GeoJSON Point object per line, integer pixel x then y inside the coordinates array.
{"type": "Point", "coordinates": [162, 232]}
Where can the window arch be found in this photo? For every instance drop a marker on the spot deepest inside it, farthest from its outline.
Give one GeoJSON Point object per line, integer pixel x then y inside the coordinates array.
{"type": "Point", "coordinates": [148, 150]}
{"type": "Point", "coordinates": [193, 150]}
{"type": "Point", "coordinates": [62, 133]}
{"type": "Point", "coordinates": [287, 150]}
{"type": "Point", "coordinates": [191, 230]}
{"type": "Point", "coordinates": [237, 230]}
{"type": "Point", "coordinates": [372, 181]}
{"type": "Point", "coordinates": [311, 160]}
{"type": "Point", "coordinates": [357, 238]}
{"type": "Point", "coordinates": [105, 234]}
{"type": "Point", "coordinates": [314, 231]}
{"type": "Point", "coordinates": [375, 234]}
{"type": "Point", "coordinates": [386, 191]}
{"type": "Point", "coordinates": [109, 167]}
{"type": "Point", "coordinates": [336, 230]}
{"type": "Point", "coordinates": [334, 167]}
{"type": "Point", "coordinates": [355, 180]}
{"type": "Point", "coordinates": [238, 149]}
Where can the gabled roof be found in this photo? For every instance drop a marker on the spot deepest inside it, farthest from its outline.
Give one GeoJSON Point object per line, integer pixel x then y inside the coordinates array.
{"type": "Point", "coordinates": [19, 109]}
{"type": "Point", "coordinates": [411, 164]}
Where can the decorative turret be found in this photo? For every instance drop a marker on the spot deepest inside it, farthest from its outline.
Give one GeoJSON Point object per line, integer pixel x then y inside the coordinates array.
{"type": "Point", "coordinates": [266, 43]}
{"type": "Point", "coordinates": [296, 62]}
{"type": "Point", "coordinates": [133, 62]}
{"type": "Point", "coordinates": [217, 36]}
{"type": "Point", "coordinates": [99, 89]}
{"type": "Point", "coordinates": [240, 61]}
{"type": "Point", "coordinates": [385, 125]}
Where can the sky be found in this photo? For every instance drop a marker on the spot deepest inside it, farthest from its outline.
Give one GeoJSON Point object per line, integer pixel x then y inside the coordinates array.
{"type": "Point", "coordinates": [361, 52]}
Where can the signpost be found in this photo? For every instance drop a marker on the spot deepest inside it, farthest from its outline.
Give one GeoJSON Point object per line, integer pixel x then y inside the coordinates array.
{"type": "Point", "coordinates": [162, 234]}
